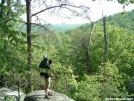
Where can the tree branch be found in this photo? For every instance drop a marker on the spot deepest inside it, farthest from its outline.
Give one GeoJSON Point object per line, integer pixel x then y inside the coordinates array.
{"type": "Point", "coordinates": [26, 23]}
{"type": "Point", "coordinates": [48, 9]}
{"type": "Point", "coordinates": [81, 7]}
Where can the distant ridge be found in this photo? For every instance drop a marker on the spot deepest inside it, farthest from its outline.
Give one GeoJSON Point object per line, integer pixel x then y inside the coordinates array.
{"type": "Point", "coordinates": [55, 27]}
{"type": "Point", "coordinates": [122, 20]}
{"type": "Point", "coordinates": [63, 27]}
{"type": "Point", "coordinates": [125, 20]}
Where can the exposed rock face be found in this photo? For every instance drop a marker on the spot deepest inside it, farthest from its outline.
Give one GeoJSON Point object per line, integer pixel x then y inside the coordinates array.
{"type": "Point", "coordinates": [40, 94]}
{"type": "Point", "coordinates": [9, 94]}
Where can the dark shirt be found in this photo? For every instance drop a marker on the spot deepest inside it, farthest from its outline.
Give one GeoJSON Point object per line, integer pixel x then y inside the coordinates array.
{"type": "Point", "coordinates": [44, 65]}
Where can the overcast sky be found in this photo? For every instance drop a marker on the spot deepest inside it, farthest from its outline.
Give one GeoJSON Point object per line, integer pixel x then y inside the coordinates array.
{"type": "Point", "coordinates": [109, 8]}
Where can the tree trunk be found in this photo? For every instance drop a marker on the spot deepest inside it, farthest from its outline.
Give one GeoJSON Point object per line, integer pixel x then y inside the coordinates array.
{"type": "Point", "coordinates": [88, 63]}
{"type": "Point", "coordinates": [105, 48]}
{"type": "Point", "coordinates": [1, 8]}
{"type": "Point", "coordinates": [29, 18]}
{"type": "Point", "coordinates": [88, 50]}
{"type": "Point", "coordinates": [2, 77]}
{"type": "Point", "coordinates": [105, 40]}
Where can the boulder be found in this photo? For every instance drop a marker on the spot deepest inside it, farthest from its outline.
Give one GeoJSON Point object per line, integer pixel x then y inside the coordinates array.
{"type": "Point", "coordinates": [10, 95]}
{"type": "Point", "coordinates": [40, 94]}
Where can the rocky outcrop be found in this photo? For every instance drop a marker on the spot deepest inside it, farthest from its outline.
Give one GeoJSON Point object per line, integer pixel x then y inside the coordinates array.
{"type": "Point", "coordinates": [10, 95]}
{"type": "Point", "coordinates": [39, 96]}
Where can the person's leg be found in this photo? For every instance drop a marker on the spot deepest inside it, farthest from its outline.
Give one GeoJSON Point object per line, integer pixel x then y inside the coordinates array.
{"type": "Point", "coordinates": [47, 85]}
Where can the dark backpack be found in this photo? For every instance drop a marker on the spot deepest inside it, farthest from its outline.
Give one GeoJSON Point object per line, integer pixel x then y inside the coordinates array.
{"type": "Point", "coordinates": [43, 64]}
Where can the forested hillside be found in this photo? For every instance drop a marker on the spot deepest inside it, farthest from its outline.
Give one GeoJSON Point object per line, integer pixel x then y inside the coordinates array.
{"type": "Point", "coordinates": [122, 20]}
{"type": "Point", "coordinates": [87, 68]}
{"type": "Point", "coordinates": [55, 27]}
{"type": "Point", "coordinates": [82, 62]}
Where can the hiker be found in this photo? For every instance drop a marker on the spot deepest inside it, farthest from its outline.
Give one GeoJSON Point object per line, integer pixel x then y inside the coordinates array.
{"type": "Point", "coordinates": [46, 74]}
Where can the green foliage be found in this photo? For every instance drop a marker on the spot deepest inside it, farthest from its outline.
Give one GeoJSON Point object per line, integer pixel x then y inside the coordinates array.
{"type": "Point", "coordinates": [99, 86]}
{"type": "Point", "coordinates": [9, 98]}
{"type": "Point", "coordinates": [120, 48]}
{"type": "Point", "coordinates": [110, 78]}
{"type": "Point", "coordinates": [68, 50]}
{"type": "Point", "coordinates": [88, 89]}
{"type": "Point", "coordinates": [13, 48]}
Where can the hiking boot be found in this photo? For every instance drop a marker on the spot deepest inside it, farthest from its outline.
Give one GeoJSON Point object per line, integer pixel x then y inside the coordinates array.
{"type": "Point", "coordinates": [47, 97]}
{"type": "Point", "coordinates": [50, 94]}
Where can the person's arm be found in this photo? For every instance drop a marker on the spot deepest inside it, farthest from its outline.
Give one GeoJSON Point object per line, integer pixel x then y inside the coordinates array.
{"type": "Point", "coordinates": [53, 75]}
{"type": "Point", "coordinates": [48, 66]}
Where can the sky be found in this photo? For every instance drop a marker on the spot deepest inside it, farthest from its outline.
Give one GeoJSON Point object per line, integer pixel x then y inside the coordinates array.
{"type": "Point", "coordinates": [96, 7]}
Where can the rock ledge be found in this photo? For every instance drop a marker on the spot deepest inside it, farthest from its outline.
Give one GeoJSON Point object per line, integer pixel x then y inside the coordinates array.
{"type": "Point", "coordinates": [39, 96]}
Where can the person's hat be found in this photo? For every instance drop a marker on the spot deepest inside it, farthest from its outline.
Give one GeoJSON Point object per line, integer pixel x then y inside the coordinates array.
{"type": "Point", "coordinates": [45, 56]}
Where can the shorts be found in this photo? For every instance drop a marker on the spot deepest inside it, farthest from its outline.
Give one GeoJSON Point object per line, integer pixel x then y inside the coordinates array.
{"type": "Point", "coordinates": [46, 75]}
{"type": "Point", "coordinates": [47, 82]}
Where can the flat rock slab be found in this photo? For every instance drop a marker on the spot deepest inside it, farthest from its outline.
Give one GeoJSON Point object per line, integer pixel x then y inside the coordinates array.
{"type": "Point", "coordinates": [40, 94]}
{"type": "Point", "coordinates": [6, 93]}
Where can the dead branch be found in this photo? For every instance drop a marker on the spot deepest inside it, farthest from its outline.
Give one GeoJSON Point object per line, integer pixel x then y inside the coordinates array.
{"type": "Point", "coordinates": [60, 6]}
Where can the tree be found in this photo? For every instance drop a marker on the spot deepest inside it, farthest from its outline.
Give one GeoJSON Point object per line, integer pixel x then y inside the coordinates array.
{"type": "Point", "coordinates": [125, 2]}
{"type": "Point", "coordinates": [80, 50]}
{"type": "Point", "coordinates": [29, 18]}
{"type": "Point", "coordinates": [9, 12]}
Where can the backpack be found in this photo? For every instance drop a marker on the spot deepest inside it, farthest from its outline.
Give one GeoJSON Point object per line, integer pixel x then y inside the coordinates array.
{"type": "Point", "coordinates": [44, 64]}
